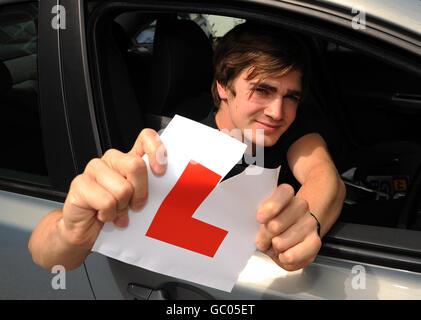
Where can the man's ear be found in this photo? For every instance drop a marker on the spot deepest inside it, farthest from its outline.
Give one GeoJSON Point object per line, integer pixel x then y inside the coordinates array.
{"type": "Point", "coordinates": [222, 91]}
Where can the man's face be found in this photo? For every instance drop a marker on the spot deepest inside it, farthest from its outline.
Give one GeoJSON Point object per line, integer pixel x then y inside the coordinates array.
{"type": "Point", "coordinates": [272, 106]}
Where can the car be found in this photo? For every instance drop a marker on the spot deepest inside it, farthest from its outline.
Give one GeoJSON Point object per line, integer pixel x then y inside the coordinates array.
{"type": "Point", "coordinates": [75, 80]}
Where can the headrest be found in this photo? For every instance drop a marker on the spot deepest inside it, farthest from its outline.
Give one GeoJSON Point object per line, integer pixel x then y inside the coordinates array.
{"type": "Point", "coordinates": [182, 65]}
{"type": "Point", "coordinates": [5, 79]}
{"type": "Point", "coordinates": [120, 37]}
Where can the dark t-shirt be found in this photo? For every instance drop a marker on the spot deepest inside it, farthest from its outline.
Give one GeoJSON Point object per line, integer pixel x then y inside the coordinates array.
{"type": "Point", "coordinates": [275, 155]}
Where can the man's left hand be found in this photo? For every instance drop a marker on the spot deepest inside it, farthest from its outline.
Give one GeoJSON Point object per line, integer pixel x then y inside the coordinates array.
{"type": "Point", "coordinates": [288, 232]}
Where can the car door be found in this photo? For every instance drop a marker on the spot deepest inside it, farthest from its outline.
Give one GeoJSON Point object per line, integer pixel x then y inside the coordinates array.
{"type": "Point", "coordinates": [29, 188]}
{"type": "Point", "coordinates": [357, 261]}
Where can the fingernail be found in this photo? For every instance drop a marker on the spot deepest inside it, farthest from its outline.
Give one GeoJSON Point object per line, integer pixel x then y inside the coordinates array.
{"type": "Point", "coordinates": [136, 207]}
{"type": "Point", "coordinates": [260, 217]}
{"type": "Point", "coordinates": [162, 158]}
{"type": "Point", "coordinates": [159, 169]}
{"type": "Point", "coordinates": [121, 222]}
{"type": "Point", "coordinates": [260, 246]}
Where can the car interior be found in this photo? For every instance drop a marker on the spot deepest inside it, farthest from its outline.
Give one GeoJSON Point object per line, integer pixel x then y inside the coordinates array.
{"type": "Point", "coordinates": [367, 110]}
{"type": "Point", "coordinates": [21, 136]}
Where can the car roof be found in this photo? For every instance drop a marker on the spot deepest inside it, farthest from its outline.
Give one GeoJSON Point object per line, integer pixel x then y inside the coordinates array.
{"type": "Point", "coordinates": [405, 14]}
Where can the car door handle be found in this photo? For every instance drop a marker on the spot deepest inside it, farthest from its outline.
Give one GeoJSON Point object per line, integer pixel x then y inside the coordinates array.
{"type": "Point", "coordinates": [170, 291]}
{"type": "Point", "coordinates": [145, 293]}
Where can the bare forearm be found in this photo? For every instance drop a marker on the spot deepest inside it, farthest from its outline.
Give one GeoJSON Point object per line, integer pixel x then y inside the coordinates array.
{"type": "Point", "coordinates": [49, 247]}
{"type": "Point", "coordinates": [324, 191]}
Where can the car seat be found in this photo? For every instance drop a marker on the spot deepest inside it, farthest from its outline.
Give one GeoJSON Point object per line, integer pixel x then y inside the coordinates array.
{"type": "Point", "coordinates": [181, 72]}
{"type": "Point", "coordinates": [122, 109]}
{"type": "Point", "coordinates": [138, 63]}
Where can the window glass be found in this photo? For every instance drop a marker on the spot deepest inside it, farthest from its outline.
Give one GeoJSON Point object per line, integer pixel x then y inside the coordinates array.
{"type": "Point", "coordinates": [147, 35]}
{"type": "Point", "coordinates": [367, 110]}
{"type": "Point", "coordinates": [380, 105]}
{"type": "Point", "coordinates": [214, 26]}
{"type": "Point", "coordinates": [220, 25]}
{"type": "Point", "coordinates": [20, 136]}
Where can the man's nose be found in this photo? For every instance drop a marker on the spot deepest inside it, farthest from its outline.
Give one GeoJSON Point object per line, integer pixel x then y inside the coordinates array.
{"type": "Point", "coordinates": [274, 109]}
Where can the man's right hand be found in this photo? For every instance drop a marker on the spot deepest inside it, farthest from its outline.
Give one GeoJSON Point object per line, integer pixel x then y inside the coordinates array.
{"type": "Point", "coordinates": [108, 187]}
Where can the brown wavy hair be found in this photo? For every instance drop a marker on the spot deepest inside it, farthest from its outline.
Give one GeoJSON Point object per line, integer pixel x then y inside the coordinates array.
{"type": "Point", "coordinates": [266, 51]}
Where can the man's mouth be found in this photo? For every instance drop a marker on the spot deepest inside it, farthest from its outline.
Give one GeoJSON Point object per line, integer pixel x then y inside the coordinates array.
{"type": "Point", "coordinates": [268, 126]}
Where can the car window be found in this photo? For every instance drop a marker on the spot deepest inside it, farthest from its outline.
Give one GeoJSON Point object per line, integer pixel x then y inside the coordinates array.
{"type": "Point", "coordinates": [147, 35]}
{"type": "Point", "coordinates": [214, 26]}
{"type": "Point", "coordinates": [366, 109]}
{"type": "Point", "coordinates": [20, 138]}
{"type": "Point", "coordinates": [381, 105]}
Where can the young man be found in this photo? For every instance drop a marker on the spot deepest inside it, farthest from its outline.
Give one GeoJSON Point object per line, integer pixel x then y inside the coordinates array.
{"type": "Point", "coordinates": [261, 75]}
{"type": "Point", "coordinates": [258, 84]}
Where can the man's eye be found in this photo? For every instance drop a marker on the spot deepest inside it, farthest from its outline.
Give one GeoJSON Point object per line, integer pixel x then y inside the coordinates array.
{"type": "Point", "coordinates": [294, 98]}
{"type": "Point", "coordinates": [262, 90]}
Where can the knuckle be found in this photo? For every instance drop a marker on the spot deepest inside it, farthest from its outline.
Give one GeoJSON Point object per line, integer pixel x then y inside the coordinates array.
{"type": "Point", "coordinates": [270, 207]}
{"type": "Point", "coordinates": [123, 191]}
{"type": "Point", "coordinates": [302, 204]}
{"type": "Point", "coordinates": [150, 140]}
{"type": "Point", "coordinates": [77, 181]}
{"type": "Point", "coordinates": [147, 133]}
{"type": "Point", "coordinates": [109, 203]}
{"type": "Point", "coordinates": [103, 217]}
{"type": "Point", "coordinates": [77, 187]}
{"type": "Point", "coordinates": [277, 244]}
{"type": "Point", "coordinates": [110, 153]}
{"type": "Point", "coordinates": [135, 165]}
{"type": "Point", "coordinates": [93, 163]}
{"type": "Point", "coordinates": [274, 226]}
{"type": "Point", "coordinates": [289, 258]}
{"type": "Point", "coordinates": [287, 189]}
{"type": "Point", "coordinates": [71, 200]}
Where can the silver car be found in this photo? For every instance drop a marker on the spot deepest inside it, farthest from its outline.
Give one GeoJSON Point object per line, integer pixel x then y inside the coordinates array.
{"type": "Point", "coordinates": [76, 79]}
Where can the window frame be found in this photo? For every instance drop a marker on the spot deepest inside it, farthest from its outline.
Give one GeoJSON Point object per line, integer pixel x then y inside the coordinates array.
{"type": "Point", "coordinates": [30, 186]}
{"type": "Point", "coordinates": [346, 241]}
{"type": "Point", "coordinates": [69, 124]}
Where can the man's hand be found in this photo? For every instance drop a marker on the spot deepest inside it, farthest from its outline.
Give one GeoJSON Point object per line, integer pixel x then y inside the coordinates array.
{"type": "Point", "coordinates": [104, 192]}
{"type": "Point", "coordinates": [108, 187]}
{"type": "Point", "coordinates": [288, 232]}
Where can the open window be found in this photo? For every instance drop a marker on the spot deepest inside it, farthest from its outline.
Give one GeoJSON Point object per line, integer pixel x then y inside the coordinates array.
{"type": "Point", "coordinates": [381, 107]}
{"type": "Point", "coordinates": [367, 104]}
